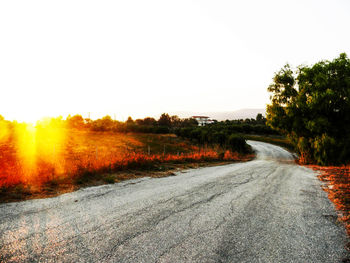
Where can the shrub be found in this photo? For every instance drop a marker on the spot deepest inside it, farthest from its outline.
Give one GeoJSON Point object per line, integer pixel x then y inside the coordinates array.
{"type": "Point", "coordinates": [325, 150]}
{"type": "Point", "coordinates": [237, 143]}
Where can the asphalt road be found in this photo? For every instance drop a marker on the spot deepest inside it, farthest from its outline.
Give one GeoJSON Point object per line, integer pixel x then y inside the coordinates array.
{"type": "Point", "coordinates": [266, 210]}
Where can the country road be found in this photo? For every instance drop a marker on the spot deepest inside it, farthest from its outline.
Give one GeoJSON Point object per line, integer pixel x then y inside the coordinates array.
{"type": "Point", "coordinates": [265, 210]}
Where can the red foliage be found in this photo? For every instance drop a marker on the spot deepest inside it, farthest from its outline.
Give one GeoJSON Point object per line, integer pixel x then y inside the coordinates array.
{"type": "Point", "coordinates": [337, 179]}
{"type": "Point", "coordinates": [45, 158]}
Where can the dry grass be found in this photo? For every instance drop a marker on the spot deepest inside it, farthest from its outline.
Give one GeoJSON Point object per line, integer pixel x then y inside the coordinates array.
{"type": "Point", "coordinates": [337, 179]}
{"type": "Point", "coordinates": [38, 159]}
{"type": "Point", "coordinates": [42, 164]}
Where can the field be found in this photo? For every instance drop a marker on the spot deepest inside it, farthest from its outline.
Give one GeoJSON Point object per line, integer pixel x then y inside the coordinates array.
{"type": "Point", "coordinates": [33, 159]}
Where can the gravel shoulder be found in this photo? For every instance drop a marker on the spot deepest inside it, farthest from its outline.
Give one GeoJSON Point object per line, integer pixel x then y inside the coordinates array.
{"type": "Point", "coordinates": [266, 210]}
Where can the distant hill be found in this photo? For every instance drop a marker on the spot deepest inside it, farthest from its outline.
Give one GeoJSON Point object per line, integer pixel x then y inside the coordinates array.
{"type": "Point", "coordinates": [224, 115]}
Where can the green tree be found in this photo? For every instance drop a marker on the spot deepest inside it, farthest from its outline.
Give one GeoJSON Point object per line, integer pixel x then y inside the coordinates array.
{"type": "Point", "coordinates": [77, 121]}
{"type": "Point", "coordinates": [175, 121]}
{"type": "Point", "coordinates": [312, 107]}
{"type": "Point", "coordinates": [260, 119]}
{"type": "Point", "coordinates": [165, 120]}
{"type": "Point", "coordinates": [237, 143]}
{"type": "Point", "coordinates": [129, 120]}
{"type": "Point", "coordinates": [104, 124]}
{"type": "Point", "coordinates": [149, 121]}
{"type": "Point", "coordinates": [189, 122]}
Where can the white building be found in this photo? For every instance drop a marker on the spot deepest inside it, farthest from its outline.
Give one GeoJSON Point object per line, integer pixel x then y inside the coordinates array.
{"type": "Point", "coordinates": [202, 120]}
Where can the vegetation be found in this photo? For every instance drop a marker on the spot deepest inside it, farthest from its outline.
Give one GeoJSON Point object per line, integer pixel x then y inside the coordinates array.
{"type": "Point", "coordinates": [227, 134]}
{"type": "Point", "coordinates": [57, 155]}
{"type": "Point", "coordinates": [312, 107]}
{"type": "Point", "coordinates": [61, 155]}
{"type": "Point", "coordinates": [169, 124]}
{"type": "Point", "coordinates": [165, 124]}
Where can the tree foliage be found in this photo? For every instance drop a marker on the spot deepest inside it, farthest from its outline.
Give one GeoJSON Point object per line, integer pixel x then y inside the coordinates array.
{"type": "Point", "coordinates": [76, 121]}
{"type": "Point", "coordinates": [311, 106]}
{"type": "Point", "coordinates": [165, 120]}
{"type": "Point", "coordinates": [220, 133]}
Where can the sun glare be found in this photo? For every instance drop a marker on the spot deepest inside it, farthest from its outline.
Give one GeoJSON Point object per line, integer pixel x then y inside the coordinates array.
{"type": "Point", "coordinates": [4, 131]}
{"type": "Point", "coordinates": [35, 146]}
{"type": "Point", "coordinates": [50, 134]}
{"type": "Point", "coordinates": [25, 144]}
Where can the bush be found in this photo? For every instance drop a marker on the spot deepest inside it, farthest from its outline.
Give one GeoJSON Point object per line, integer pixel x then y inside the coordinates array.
{"type": "Point", "coordinates": [220, 138]}
{"type": "Point", "coordinates": [109, 179]}
{"type": "Point", "coordinates": [237, 143]}
{"type": "Point", "coordinates": [325, 150]}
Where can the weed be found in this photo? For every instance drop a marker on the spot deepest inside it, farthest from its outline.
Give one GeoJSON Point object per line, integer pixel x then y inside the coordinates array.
{"type": "Point", "coordinates": [109, 179]}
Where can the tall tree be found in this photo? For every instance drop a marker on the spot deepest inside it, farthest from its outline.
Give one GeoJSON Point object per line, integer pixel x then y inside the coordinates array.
{"type": "Point", "coordinates": [312, 107]}
{"type": "Point", "coordinates": [165, 120]}
{"type": "Point", "coordinates": [77, 121]}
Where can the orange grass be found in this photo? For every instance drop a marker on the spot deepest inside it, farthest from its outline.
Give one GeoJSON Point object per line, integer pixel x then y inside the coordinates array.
{"type": "Point", "coordinates": [36, 155]}
{"type": "Point", "coordinates": [337, 179]}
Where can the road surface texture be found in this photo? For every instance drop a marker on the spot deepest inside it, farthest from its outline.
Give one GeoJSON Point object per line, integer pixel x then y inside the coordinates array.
{"type": "Point", "coordinates": [266, 210]}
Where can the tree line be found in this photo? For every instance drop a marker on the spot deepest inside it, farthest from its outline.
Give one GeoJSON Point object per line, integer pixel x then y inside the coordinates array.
{"type": "Point", "coordinates": [165, 124]}
{"type": "Point", "coordinates": [222, 134]}
{"type": "Point", "coordinates": [227, 134]}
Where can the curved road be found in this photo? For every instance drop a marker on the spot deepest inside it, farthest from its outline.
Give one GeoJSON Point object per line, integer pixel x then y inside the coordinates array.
{"type": "Point", "coordinates": [266, 210]}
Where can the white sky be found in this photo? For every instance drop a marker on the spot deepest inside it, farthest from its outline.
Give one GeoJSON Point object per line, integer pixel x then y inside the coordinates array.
{"type": "Point", "coordinates": [143, 58]}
